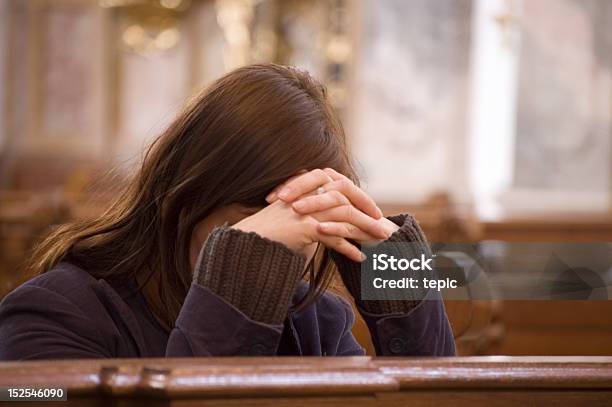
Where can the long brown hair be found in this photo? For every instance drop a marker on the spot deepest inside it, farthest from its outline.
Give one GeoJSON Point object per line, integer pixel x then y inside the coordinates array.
{"type": "Point", "coordinates": [238, 139]}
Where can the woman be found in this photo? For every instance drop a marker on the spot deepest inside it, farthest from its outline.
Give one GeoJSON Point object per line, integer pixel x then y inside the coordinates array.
{"type": "Point", "coordinates": [247, 194]}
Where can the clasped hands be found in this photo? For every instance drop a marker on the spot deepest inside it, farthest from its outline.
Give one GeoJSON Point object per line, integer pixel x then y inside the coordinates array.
{"type": "Point", "coordinates": [320, 206]}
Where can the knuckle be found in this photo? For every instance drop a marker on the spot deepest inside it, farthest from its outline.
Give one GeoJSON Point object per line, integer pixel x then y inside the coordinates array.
{"type": "Point", "coordinates": [331, 173]}
{"type": "Point", "coordinates": [349, 212]}
{"type": "Point", "coordinates": [344, 184]}
{"type": "Point", "coordinates": [331, 228]}
{"type": "Point", "coordinates": [306, 205]}
{"type": "Point", "coordinates": [350, 229]}
{"type": "Point", "coordinates": [337, 196]}
{"type": "Point", "coordinates": [319, 173]}
{"type": "Point", "coordinates": [310, 222]}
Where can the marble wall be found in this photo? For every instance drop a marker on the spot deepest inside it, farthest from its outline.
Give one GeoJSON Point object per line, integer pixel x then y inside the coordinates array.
{"type": "Point", "coordinates": [564, 124]}
{"type": "Point", "coordinates": [410, 97]}
{"type": "Point", "coordinates": [412, 92]}
{"type": "Point", "coordinates": [150, 90]}
{"type": "Point", "coordinates": [77, 90]}
{"type": "Point", "coordinates": [67, 85]}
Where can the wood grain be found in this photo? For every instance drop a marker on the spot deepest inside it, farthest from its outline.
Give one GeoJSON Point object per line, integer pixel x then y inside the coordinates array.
{"type": "Point", "coordinates": [323, 381]}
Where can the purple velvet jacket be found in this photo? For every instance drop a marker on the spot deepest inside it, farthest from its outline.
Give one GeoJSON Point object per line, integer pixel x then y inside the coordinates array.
{"type": "Point", "coordinates": [67, 313]}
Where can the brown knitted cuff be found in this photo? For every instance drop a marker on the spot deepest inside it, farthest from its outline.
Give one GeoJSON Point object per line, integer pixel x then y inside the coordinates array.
{"type": "Point", "coordinates": [350, 271]}
{"type": "Point", "coordinates": [256, 275]}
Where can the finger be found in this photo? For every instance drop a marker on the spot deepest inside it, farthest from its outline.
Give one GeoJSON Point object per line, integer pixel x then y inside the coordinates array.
{"type": "Point", "coordinates": [342, 246]}
{"type": "Point", "coordinates": [303, 184]}
{"type": "Point", "coordinates": [273, 195]}
{"type": "Point", "coordinates": [352, 215]}
{"type": "Point", "coordinates": [335, 175]}
{"type": "Point", "coordinates": [347, 231]}
{"type": "Point", "coordinates": [320, 202]}
{"type": "Point", "coordinates": [355, 194]}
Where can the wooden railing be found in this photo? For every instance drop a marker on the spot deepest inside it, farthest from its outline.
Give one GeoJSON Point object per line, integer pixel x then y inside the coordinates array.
{"type": "Point", "coordinates": [472, 381]}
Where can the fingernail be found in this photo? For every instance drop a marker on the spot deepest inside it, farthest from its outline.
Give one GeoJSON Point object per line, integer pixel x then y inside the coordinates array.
{"type": "Point", "coordinates": [363, 256]}
{"type": "Point", "coordinates": [325, 225]}
{"type": "Point", "coordinates": [380, 213]}
{"type": "Point", "coordinates": [299, 205]}
{"type": "Point", "coordinates": [284, 193]}
{"type": "Point", "coordinates": [271, 197]}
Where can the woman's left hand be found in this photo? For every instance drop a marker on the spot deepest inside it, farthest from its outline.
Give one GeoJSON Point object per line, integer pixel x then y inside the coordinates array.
{"type": "Point", "coordinates": [338, 193]}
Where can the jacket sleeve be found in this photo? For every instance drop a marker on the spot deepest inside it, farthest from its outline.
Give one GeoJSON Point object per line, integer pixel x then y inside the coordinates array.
{"type": "Point", "coordinates": [423, 331]}
{"type": "Point", "coordinates": [210, 326]}
{"type": "Point", "coordinates": [38, 323]}
{"type": "Point", "coordinates": [348, 345]}
{"type": "Point", "coordinates": [417, 327]}
{"type": "Point", "coordinates": [238, 309]}
{"type": "Point", "coordinates": [242, 289]}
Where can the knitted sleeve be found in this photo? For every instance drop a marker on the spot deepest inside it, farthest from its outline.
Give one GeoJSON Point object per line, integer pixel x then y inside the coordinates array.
{"type": "Point", "coordinates": [256, 275]}
{"type": "Point", "coordinates": [350, 271]}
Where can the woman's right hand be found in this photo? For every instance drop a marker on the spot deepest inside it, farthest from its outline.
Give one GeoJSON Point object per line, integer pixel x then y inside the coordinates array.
{"type": "Point", "coordinates": [281, 223]}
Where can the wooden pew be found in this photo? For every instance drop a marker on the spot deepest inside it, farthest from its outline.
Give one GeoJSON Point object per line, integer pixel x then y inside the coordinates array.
{"type": "Point", "coordinates": [357, 381]}
{"type": "Point", "coordinates": [553, 327]}
{"type": "Point", "coordinates": [24, 218]}
{"type": "Point", "coordinates": [476, 324]}
{"type": "Point", "coordinates": [521, 327]}
{"type": "Point", "coordinates": [558, 228]}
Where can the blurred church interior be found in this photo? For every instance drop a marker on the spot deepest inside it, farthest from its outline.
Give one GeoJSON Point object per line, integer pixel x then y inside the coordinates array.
{"type": "Point", "coordinates": [490, 120]}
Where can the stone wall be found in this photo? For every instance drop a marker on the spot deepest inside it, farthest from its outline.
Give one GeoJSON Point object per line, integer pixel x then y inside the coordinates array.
{"type": "Point", "coordinates": [410, 97]}
{"type": "Point", "coordinates": [564, 139]}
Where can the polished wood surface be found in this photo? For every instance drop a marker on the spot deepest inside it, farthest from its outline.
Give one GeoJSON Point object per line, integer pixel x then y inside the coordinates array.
{"type": "Point", "coordinates": [568, 228]}
{"type": "Point", "coordinates": [553, 327]}
{"type": "Point", "coordinates": [470, 381]}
